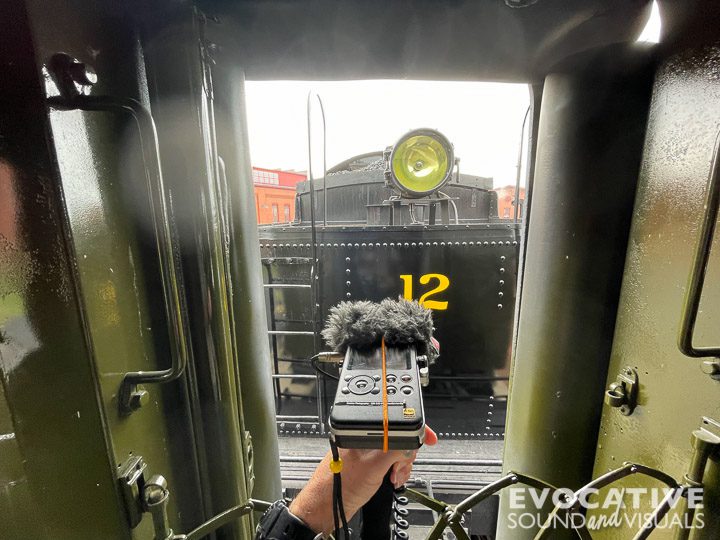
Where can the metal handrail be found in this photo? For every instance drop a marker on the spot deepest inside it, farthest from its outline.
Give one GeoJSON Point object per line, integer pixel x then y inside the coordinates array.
{"type": "Point", "coordinates": [691, 303]}
{"type": "Point", "coordinates": [315, 267]}
{"type": "Point", "coordinates": [129, 396]}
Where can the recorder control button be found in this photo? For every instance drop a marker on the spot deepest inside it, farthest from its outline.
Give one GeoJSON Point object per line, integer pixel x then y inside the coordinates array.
{"type": "Point", "coordinates": [406, 378]}
{"type": "Point", "coordinates": [345, 390]}
{"type": "Point", "coordinates": [376, 390]}
{"type": "Point", "coordinates": [377, 377]}
{"type": "Point", "coordinates": [362, 384]}
{"type": "Point", "coordinates": [348, 377]}
{"type": "Point", "coordinates": [391, 379]}
{"type": "Point", "coordinates": [391, 390]}
{"type": "Point", "coordinates": [407, 390]}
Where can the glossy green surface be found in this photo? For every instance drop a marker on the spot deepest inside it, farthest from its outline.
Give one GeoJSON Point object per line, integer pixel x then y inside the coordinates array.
{"type": "Point", "coordinates": [246, 289]}
{"type": "Point", "coordinates": [674, 392]}
{"type": "Point", "coordinates": [55, 477]}
{"type": "Point", "coordinates": [591, 130]}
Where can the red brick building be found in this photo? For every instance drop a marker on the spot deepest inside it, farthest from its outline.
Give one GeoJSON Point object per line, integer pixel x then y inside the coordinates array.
{"type": "Point", "coordinates": [506, 202]}
{"type": "Point", "coordinates": [275, 194]}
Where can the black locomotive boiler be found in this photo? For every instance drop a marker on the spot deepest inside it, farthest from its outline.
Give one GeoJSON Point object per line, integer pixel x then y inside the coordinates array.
{"type": "Point", "coordinates": [403, 222]}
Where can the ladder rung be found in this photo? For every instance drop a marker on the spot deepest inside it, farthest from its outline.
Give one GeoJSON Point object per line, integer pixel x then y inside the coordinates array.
{"type": "Point", "coordinates": [290, 333]}
{"type": "Point", "coordinates": [286, 286]}
{"type": "Point", "coordinates": [286, 260]}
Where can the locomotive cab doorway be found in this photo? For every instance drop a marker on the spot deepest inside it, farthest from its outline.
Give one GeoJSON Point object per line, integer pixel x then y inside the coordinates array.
{"type": "Point", "coordinates": [447, 232]}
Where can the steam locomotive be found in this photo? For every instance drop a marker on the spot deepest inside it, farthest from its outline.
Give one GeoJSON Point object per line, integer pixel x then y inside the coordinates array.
{"type": "Point", "coordinates": [402, 222]}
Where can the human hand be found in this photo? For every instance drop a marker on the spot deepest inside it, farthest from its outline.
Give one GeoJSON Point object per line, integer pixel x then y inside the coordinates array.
{"type": "Point", "coordinates": [362, 474]}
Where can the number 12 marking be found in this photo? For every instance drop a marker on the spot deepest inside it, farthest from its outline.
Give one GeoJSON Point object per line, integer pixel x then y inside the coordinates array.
{"type": "Point", "coordinates": [443, 283]}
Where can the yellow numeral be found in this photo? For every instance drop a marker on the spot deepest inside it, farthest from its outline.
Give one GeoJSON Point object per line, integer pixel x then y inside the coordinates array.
{"type": "Point", "coordinates": [443, 284]}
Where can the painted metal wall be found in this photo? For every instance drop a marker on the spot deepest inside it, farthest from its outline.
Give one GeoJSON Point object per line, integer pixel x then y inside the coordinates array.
{"type": "Point", "coordinates": [81, 287]}
{"type": "Point", "coordinates": [674, 392]}
{"type": "Point", "coordinates": [591, 129]}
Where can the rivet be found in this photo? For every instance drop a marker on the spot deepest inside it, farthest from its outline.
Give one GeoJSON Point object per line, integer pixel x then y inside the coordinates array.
{"type": "Point", "coordinates": [347, 283]}
{"type": "Point", "coordinates": [348, 295]}
{"type": "Point", "coordinates": [502, 270]}
{"type": "Point", "coordinates": [502, 282]}
{"type": "Point", "coordinates": [347, 270]}
{"type": "Point", "coordinates": [502, 257]}
{"type": "Point", "coordinates": [500, 294]}
{"type": "Point", "coordinates": [499, 306]}
{"type": "Point", "coordinates": [347, 259]}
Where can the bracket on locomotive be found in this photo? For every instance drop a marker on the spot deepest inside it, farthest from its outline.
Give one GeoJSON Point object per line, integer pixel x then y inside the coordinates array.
{"type": "Point", "coordinates": [623, 393]}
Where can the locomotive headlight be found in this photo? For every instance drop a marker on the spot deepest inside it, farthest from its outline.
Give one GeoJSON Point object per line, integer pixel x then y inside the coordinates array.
{"type": "Point", "coordinates": [421, 162]}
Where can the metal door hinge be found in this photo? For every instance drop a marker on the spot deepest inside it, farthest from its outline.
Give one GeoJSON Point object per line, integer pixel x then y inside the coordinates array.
{"type": "Point", "coordinates": [131, 478]}
{"type": "Point", "coordinates": [140, 496]}
{"type": "Point", "coordinates": [250, 460]}
{"type": "Point", "coordinates": [623, 392]}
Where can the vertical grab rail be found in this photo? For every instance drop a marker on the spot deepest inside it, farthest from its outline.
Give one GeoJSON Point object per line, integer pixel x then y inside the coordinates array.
{"type": "Point", "coordinates": [701, 256]}
{"type": "Point", "coordinates": [130, 396]}
{"type": "Point", "coordinates": [315, 281]}
{"type": "Point", "coordinates": [516, 201]}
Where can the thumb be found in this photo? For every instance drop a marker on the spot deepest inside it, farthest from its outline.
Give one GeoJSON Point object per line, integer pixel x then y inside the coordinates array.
{"type": "Point", "coordinates": [431, 437]}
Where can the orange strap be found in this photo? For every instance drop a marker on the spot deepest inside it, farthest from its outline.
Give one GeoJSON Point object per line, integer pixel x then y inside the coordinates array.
{"type": "Point", "coordinates": [385, 397]}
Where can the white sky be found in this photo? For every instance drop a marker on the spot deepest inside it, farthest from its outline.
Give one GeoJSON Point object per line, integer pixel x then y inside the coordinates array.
{"type": "Point", "coordinates": [482, 120]}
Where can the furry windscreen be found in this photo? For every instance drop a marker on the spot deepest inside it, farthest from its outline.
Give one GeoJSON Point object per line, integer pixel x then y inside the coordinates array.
{"type": "Point", "coordinates": [362, 324]}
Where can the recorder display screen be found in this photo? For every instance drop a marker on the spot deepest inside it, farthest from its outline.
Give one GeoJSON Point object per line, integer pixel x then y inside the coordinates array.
{"type": "Point", "coordinates": [372, 359]}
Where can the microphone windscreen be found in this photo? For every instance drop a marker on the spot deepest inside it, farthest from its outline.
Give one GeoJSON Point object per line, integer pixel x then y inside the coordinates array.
{"type": "Point", "coordinates": [362, 324]}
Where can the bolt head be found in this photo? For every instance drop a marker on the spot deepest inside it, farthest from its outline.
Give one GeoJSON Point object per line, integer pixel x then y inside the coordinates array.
{"type": "Point", "coordinates": [711, 367]}
{"type": "Point", "coordinates": [139, 398]}
{"type": "Point", "coordinates": [83, 74]}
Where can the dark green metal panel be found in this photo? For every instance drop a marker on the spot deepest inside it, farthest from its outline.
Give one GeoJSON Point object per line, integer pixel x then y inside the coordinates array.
{"type": "Point", "coordinates": [245, 276]}
{"type": "Point", "coordinates": [202, 142]}
{"type": "Point", "coordinates": [57, 480]}
{"type": "Point", "coordinates": [591, 131]}
{"type": "Point", "coordinates": [674, 392]}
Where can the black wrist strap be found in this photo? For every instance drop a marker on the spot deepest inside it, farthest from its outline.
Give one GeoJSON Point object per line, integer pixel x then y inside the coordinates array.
{"type": "Point", "coordinates": [278, 523]}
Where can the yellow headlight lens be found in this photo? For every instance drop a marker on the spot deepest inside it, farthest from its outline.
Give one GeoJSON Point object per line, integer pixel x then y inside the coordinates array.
{"type": "Point", "coordinates": [421, 162]}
